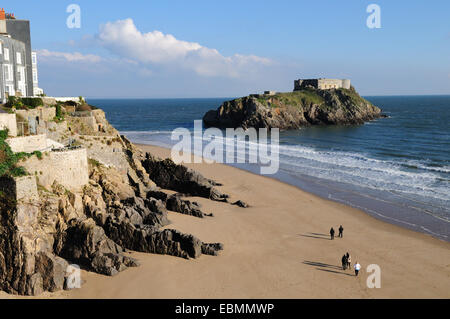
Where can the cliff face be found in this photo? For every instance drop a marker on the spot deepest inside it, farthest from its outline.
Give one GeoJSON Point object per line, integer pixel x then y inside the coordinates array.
{"type": "Point", "coordinates": [122, 207]}
{"type": "Point", "coordinates": [293, 110]}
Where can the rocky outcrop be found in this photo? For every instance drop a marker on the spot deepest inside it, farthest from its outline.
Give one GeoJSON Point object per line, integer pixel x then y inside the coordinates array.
{"type": "Point", "coordinates": [121, 208]}
{"type": "Point", "coordinates": [28, 265]}
{"type": "Point", "coordinates": [240, 204]}
{"type": "Point", "coordinates": [166, 174]}
{"type": "Point", "coordinates": [294, 110]}
{"type": "Point", "coordinates": [85, 243]}
{"type": "Point", "coordinates": [176, 204]}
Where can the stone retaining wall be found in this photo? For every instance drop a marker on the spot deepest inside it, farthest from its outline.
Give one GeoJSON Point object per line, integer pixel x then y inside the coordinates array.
{"type": "Point", "coordinates": [68, 168]}
{"type": "Point", "coordinates": [8, 121]}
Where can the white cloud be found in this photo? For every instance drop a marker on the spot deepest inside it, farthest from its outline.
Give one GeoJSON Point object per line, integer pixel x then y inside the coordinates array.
{"type": "Point", "coordinates": [155, 48]}
{"type": "Point", "coordinates": [67, 56]}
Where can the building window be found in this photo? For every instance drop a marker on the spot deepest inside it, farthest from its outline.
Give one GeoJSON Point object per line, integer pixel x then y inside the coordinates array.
{"type": "Point", "coordinates": [7, 72]}
{"type": "Point", "coordinates": [35, 78]}
{"type": "Point", "coordinates": [20, 74]}
{"type": "Point", "coordinates": [6, 54]}
{"type": "Point", "coordinates": [18, 58]}
{"type": "Point", "coordinates": [9, 89]}
{"type": "Point", "coordinates": [22, 89]}
{"type": "Point", "coordinates": [1, 47]}
{"type": "Point", "coordinates": [34, 59]}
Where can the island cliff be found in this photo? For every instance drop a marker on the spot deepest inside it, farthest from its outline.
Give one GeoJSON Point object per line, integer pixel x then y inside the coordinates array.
{"type": "Point", "coordinates": [293, 110]}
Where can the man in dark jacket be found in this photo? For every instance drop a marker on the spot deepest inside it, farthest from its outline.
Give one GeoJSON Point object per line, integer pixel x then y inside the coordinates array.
{"type": "Point", "coordinates": [341, 231]}
{"type": "Point", "coordinates": [332, 233]}
{"type": "Point", "coordinates": [344, 262]}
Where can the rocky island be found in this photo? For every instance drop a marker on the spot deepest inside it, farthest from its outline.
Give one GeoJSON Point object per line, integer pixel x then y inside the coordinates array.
{"type": "Point", "coordinates": [74, 191]}
{"type": "Point", "coordinates": [306, 105]}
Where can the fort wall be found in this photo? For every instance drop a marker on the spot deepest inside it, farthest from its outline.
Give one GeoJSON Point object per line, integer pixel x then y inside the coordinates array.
{"type": "Point", "coordinates": [322, 84]}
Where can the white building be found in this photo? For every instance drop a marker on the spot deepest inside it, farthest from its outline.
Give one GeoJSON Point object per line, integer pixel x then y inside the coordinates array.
{"type": "Point", "coordinates": [13, 79]}
{"type": "Point", "coordinates": [36, 89]}
{"type": "Point", "coordinates": [18, 66]}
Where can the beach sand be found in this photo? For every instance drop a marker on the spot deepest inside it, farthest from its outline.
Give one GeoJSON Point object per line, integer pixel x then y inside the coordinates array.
{"type": "Point", "coordinates": [280, 248]}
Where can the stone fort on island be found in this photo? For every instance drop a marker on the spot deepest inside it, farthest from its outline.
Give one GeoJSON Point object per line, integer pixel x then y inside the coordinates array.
{"type": "Point", "coordinates": [321, 84]}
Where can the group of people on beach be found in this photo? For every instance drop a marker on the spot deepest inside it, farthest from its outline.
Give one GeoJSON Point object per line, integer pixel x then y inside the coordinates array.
{"type": "Point", "coordinates": [341, 232]}
{"type": "Point", "coordinates": [347, 263]}
{"type": "Point", "coordinates": [346, 259]}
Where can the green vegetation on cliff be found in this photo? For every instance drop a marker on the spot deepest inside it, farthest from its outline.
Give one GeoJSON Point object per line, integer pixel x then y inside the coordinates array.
{"type": "Point", "coordinates": [24, 102]}
{"type": "Point", "coordinates": [9, 159]}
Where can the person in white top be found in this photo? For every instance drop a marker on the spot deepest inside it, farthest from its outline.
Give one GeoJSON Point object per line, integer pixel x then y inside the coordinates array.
{"type": "Point", "coordinates": [357, 268]}
{"type": "Point", "coordinates": [349, 261]}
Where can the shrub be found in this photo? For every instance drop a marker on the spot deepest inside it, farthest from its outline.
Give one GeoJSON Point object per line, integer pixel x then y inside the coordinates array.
{"type": "Point", "coordinates": [94, 163]}
{"type": "Point", "coordinates": [14, 102]}
{"type": "Point", "coordinates": [32, 102]}
{"type": "Point", "coordinates": [18, 171]}
{"type": "Point", "coordinates": [59, 113]}
{"type": "Point", "coordinates": [9, 159]}
{"type": "Point", "coordinates": [38, 154]}
{"type": "Point", "coordinates": [4, 134]}
{"type": "Point", "coordinates": [24, 102]}
{"type": "Point", "coordinates": [83, 107]}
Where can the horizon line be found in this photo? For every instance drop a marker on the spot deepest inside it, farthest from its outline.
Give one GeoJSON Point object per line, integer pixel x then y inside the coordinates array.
{"type": "Point", "coordinates": [226, 97]}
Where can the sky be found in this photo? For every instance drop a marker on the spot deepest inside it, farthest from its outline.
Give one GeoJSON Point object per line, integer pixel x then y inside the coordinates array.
{"type": "Point", "coordinates": [211, 48]}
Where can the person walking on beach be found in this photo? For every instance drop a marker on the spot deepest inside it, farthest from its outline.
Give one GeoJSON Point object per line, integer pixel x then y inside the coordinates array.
{"type": "Point", "coordinates": [344, 262]}
{"type": "Point", "coordinates": [341, 231]}
{"type": "Point", "coordinates": [357, 268]}
{"type": "Point", "coordinates": [349, 260]}
{"type": "Point", "coordinates": [332, 233]}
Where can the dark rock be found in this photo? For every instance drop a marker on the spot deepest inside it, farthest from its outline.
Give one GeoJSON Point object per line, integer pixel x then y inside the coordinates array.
{"type": "Point", "coordinates": [158, 215]}
{"type": "Point", "coordinates": [176, 204]}
{"type": "Point", "coordinates": [151, 240]}
{"type": "Point", "coordinates": [157, 195]}
{"type": "Point", "coordinates": [166, 174]}
{"type": "Point", "coordinates": [35, 285]}
{"type": "Point", "coordinates": [211, 249]}
{"type": "Point", "coordinates": [86, 244]}
{"type": "Point", "coordinates": [52, 271]}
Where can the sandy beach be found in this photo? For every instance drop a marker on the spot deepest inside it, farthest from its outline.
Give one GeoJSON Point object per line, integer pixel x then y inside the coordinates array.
{"type": "Point", "coordinates": [279, 248]}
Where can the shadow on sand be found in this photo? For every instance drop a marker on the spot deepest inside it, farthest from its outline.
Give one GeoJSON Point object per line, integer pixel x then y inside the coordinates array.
{"type": "Point", "coordinates": [316, 235]}
{"type": "Point", "coordinates": [323, 267]}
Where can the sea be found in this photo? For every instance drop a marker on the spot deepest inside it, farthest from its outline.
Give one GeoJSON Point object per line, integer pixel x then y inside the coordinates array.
{"type": "Point", "coordinates": [397, 169]}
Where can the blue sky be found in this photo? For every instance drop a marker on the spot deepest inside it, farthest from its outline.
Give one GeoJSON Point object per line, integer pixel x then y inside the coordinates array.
{"type": "Point", "coordinates": [232, 48]}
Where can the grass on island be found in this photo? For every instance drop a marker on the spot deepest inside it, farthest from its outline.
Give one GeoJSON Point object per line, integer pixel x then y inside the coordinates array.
{"type": "Point", "coordinates": [308, 97]}
{"type": "Point", "coordinates": [293, 99]}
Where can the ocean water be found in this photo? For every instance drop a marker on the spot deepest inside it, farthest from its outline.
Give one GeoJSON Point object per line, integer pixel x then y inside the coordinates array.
{"type": "Point", "coordinates": [396, 169]}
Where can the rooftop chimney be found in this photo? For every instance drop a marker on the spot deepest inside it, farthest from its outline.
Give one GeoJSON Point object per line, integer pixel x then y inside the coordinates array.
{"type": "Point", "coordinates": [3, 22]}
